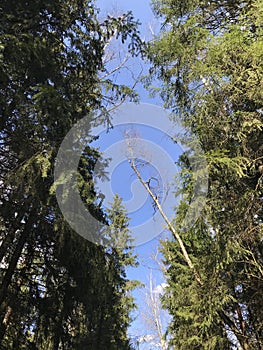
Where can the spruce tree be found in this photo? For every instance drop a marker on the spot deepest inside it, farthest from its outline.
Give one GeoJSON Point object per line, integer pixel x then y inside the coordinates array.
{"type": "Point", "coordinates": [55, 285]}
{"type": "Point", "coordinates": [120, 256]}
{"type": "Point", "coordinates": [209, 58]}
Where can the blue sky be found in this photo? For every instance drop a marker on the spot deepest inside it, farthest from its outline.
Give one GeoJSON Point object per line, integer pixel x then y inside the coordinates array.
{"type": "Point", "coordinates": [123, 178]}
{"type": "Point", "coordinates": [140, 8]}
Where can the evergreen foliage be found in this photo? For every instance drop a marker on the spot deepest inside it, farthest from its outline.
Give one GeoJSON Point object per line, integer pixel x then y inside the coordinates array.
{"type": "Point", "coordinates": [209, 59]}
{"type": "Point", "coordinates": [57, 291]}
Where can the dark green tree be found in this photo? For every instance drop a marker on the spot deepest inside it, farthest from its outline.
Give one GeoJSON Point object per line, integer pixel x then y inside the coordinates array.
{"type": "Point", "coordinates": [55, 285]}
{"type": "Point", "coordinates": [120, 256]}
{"type": "Point", "coordinates": [209, 58]}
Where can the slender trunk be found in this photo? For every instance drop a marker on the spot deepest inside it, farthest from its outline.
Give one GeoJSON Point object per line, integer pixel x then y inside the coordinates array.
{"type": "Point", "coordinates": [170, 226]}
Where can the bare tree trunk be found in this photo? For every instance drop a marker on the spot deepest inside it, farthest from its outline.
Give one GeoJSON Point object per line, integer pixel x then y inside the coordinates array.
{"type": "Point", "coordinates": [170, 226]}
{"type": "Point", "coordinates": [153, 315]}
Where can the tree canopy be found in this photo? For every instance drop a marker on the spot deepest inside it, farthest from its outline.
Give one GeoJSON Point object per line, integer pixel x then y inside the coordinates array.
{"type": "Point", "coordinates": [209, 59]}
{"type": "Point", "coordinates": [58, 291]}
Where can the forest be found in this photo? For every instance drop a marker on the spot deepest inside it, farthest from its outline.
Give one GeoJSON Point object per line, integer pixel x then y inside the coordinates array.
{"type": "Point", "coordinates": [60, 290]}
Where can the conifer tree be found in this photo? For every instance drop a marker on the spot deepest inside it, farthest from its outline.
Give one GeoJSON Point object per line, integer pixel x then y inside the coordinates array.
{"type": "Point", "coordinates": [54, 291]}
{"type": "Point", "coordinates": [209, 58]}
{"type": "Point", "coordinates": [120, 255]}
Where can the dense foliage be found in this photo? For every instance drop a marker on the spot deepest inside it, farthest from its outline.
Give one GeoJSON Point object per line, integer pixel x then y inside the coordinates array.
{"type": "Point", "coordinates": [209, 58]}
{"type": "Point", "coordinates": [58, 291]}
